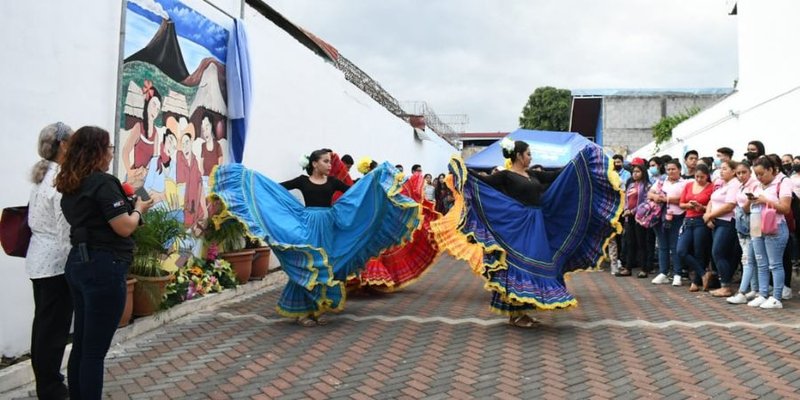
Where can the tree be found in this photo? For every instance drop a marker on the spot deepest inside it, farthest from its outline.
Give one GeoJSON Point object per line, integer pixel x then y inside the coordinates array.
{"type": "Point", "coordinates": [547, 109]}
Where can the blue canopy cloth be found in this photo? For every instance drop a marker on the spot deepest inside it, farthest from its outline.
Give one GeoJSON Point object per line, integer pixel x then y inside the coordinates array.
{"type": "Point", "coordinates": [548, 148]}
{"type": "Point", "coordinates": [318, 247]}
{"type": "Point", "coordinates": [524, 251]}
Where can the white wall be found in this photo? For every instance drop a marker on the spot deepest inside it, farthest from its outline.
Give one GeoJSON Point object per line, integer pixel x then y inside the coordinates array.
{"type": "Point", "coordinates": [61, 64]}
{"type": "Point", "coordinates": [765, 105]}
{"type": "Point", "coordinates": [304, 103]}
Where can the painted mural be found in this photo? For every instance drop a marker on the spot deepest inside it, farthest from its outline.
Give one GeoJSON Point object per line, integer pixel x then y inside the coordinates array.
{"type": "Point", "coordinates": [173, 113]}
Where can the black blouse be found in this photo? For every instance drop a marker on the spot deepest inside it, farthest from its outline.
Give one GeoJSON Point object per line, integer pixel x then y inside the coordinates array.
{"type": "Point", "coordinates": [316, 195]}
{"type": "Point", "coordinates": [527, 191]}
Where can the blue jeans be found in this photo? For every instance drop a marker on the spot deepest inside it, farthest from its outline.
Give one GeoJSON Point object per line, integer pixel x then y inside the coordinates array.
{"type": "Point", "coordinates": [694, 244]}
{"type": "Point", "coordinates": [749, 266]}
{"type": "Point", "coordinates": [723, 250]}
{"type": "Point", "coordinates": [667, 238]}
{"type": "Point", "coordinates": [769, 258]}
{"type": "Point", "coordinates": [98, 292]}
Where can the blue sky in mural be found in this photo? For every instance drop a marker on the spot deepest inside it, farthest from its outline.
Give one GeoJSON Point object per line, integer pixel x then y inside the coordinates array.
{"type": "Point", "coordinates": [198, 36]}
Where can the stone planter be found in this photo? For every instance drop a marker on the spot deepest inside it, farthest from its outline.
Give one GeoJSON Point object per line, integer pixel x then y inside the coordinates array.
{"type": "Point", "coordinates": [127, 312]}
{"type": "Point", "coordinates": [241, 262]}
{"type": "Point", "coordinates": [260, 264]}
{"type": "Point", "coordinates": [149, 293]}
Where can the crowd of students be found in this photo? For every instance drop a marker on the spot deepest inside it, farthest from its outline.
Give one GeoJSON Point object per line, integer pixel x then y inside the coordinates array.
{"type": "Point", "coordinates": [702, 219]}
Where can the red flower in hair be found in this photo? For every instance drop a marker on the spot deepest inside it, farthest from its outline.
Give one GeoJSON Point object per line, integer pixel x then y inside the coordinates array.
{"type": "Point", "coordinates": [148, 90]}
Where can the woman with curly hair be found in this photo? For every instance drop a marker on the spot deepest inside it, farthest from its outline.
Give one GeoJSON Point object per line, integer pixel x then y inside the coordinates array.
{"type": "Point", "coordinates": [101, 219]}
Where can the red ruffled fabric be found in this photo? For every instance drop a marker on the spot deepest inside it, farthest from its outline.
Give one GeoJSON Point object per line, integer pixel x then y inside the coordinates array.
{"type": "Point", "coordinates": [339, 171]}
{"type": "Point", "coordinates": [402, 265]}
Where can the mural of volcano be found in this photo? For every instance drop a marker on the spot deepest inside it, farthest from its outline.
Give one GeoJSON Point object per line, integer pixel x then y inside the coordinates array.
{"type": "Point", "coordinates": [164, 52]}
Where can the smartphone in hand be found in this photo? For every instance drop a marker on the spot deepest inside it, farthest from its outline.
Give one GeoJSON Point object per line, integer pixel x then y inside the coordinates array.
{"type": "Point", "coordinates": [142, 194]}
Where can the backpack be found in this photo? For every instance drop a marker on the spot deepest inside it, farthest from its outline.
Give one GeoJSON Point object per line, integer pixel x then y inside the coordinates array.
{"type": "Point", "coordinates": [648, 214]}
{"type": "Point", "coordinates": [794, 209]}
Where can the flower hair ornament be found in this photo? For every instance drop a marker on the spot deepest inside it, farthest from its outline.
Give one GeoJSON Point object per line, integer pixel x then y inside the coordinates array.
{"type": "Point", "coordinates": [148, 90]}
{"type": "Point", "coordinates": [507, 145]}
{"type": "Point", "coordinates": [363, 165]}
{"type": "Point", "coordinates": [303, 161]}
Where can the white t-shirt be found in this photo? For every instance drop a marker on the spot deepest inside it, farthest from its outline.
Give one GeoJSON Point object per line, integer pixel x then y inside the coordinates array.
{"type": "Point", "coordinates": [49, 247]}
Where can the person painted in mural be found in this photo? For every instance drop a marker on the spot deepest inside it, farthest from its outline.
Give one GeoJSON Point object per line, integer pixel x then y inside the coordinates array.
{"type": "Point", "coordinates": [142, 147]}
{"type": "Point", "coordinates": [190, 176]}
{"type": "Point", "coordinates": [211, 151]}
{"type": "Point", "coordinates": [164, 189]}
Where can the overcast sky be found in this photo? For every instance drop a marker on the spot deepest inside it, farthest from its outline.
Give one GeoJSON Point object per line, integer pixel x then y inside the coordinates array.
{"type": "Point", "coordinates": [484, 58]}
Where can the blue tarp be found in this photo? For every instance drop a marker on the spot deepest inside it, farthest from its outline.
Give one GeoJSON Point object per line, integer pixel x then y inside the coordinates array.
{"type": "Point", "coordinates": [549, 149]}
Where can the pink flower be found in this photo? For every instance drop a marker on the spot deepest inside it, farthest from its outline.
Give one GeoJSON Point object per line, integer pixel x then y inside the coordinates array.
{"type": "Point", "coordinates": [212, 252]}
{"type": "Point", "coordinates": [191, 292]}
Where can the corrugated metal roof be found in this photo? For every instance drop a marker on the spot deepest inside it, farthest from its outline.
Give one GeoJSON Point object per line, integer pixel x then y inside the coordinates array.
{"type": "Point", "coordinates": [651, 92]}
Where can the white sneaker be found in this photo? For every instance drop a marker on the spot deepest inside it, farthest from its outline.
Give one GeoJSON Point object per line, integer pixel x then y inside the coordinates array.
{"type": "Point", "coordinates": [757, 302]}
{"type": "Point", "coordinates": [751, 295]}
{"type": "Point", "coordinates": [787, 293]}
{"type": "Point", "coordinates": [771, 302]}
{"type": "Point", "coordinates": [676, 280]}
{"type": "Point", "coordinates": [660, 279]}
{"type": "Point", "coordinates": [738, 298]}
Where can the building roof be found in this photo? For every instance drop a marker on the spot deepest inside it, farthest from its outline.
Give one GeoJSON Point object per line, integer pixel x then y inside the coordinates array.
{"type": "Point", "coordinates": [481, 135]}
{"type": "Point", "coordinates": [651, 92]}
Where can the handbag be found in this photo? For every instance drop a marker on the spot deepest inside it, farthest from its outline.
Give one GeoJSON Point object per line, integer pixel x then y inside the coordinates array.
{"type": "Point", "coordinates": [769, 221]}
{"type": "Point", "coordinates": [15, 234]}
{"type": "Point", "coordinates": [648, 214]}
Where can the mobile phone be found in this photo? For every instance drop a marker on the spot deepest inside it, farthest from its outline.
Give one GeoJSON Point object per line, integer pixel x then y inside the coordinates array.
{"type": "Point", "coordinates": [142, 194]}
{"type": "Point", "coordinates": [750, 196]}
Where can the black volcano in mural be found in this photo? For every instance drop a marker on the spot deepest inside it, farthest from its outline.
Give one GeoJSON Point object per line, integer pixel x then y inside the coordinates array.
{"type": "Point", "coordinates": [164, 52]}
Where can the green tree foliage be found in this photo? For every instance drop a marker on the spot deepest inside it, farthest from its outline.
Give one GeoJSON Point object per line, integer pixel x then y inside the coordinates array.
{"type": "Point", "coordinates": [547, 109]}
{"type": "Point", "coordinates": [662, 130]}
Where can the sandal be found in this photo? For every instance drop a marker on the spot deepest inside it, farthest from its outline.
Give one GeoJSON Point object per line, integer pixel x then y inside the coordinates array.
{"type": "Point", "coordinates": [623, 272]}
{"type": "Point", "coordinates": [306, 321]}
{"type": "Point", "coordinates": [642, 274]}
{"type": "Point", "coordinates": [321, 320]}
{"type": "Point", "coordinates": [523, 321]}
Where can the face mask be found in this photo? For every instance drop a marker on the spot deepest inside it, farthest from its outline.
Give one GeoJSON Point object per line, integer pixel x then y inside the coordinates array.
{"type": "Point", "coordinates": [787, 167]}
{"type": "Point", "coordinates": [652, 171]}
{"type": "Point", "coordinates": [751, 155]}
{"type": "Point", "coordinates": [717, 162]}
{"type": "Point", "coordinates": [618, 167]}
{"type": "Point", "coordinates": [796, 168]}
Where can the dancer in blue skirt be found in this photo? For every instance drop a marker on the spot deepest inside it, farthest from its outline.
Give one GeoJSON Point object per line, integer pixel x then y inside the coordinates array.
{"type": "Point", "coordinates": [318, 245]}
{"type": "Point", "coordinates": [522, 230]}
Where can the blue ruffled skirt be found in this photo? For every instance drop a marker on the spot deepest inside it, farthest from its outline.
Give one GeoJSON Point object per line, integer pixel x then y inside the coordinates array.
{"type": "Point", "coordinates": [319, 247]}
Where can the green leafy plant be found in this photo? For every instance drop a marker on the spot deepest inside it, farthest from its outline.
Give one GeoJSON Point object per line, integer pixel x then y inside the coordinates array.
{"type": "Point", "coordinates": [662, 130]}
{"type": "Point", "coordinates": [160, 235]}
{"type": "Point", "coordinates": [547, 109]}
{"type": "Point", "coordinates": [229, 236]}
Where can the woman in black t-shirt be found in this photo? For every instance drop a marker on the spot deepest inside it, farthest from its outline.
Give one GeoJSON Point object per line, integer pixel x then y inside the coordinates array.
{"type": "Point", "coordinates": [317, 187]}
{"type": "Point", "coordinates": [102, 220]}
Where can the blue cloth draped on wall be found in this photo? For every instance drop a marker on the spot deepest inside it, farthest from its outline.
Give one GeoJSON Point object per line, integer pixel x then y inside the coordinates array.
{"type": "Point", "coordinates": [239, 89]}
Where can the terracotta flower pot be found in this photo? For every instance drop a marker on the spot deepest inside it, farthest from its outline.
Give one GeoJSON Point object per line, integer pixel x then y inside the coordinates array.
{"type": "Point", "coordinates": [260, 264]}
{"type": "Point", "coordinates": [241, 262]}
{"type": "Point", "coordinates": [127, 312]}
{"type": "Point", "coordinates": [149, 293]}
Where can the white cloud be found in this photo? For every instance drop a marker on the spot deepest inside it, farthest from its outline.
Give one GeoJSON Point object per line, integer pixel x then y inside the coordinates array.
{"type": "Point", "coordinates": [153, 7]}
{"type": "Point", "coordinates": [483, 58]}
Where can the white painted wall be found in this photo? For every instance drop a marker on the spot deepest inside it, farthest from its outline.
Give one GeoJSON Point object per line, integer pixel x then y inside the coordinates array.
{"type": "Point", "coordinates": [305, 103]}
{"type": "Point", "coordinates": [61, 64]}
{"type": "Point", "coordinates": [768, 93]}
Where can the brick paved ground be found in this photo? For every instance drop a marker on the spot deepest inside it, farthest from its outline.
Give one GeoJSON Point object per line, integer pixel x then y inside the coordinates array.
{"type": "Point", "coordinates": [628, 339]}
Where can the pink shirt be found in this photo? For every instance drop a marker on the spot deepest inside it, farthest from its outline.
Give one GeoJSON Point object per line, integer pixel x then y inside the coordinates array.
{"type": "Point", "coordinates": [725, 193]}
{"type": "Point", "coordinates": [781, 184]}
{"type": "Point", "coordinates": [748, 187]}
{"type": "Point", "coordinates": [674, 190]}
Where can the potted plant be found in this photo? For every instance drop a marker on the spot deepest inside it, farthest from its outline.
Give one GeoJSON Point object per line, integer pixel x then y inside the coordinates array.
{"type": "Point", "coordinates": [228, 237]}
{"type": "Point", "coordinates": [160, 235]}
{"type": "Point", "coordinates": [127, 312]}
{"type": "Point", "coordinates": [260, 260]}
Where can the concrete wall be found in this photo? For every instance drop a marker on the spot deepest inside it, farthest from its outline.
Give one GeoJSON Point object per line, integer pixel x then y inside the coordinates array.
{"type": "Point", "coordinates": [628, 120]}
{"type": "Point", "coordinates": [768, 94]}
{"type": "Point", "coordinates": [62, 64]}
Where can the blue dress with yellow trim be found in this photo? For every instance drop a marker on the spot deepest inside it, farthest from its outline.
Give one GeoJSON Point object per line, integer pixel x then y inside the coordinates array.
{"type": "Point", "coordinates": [523, 251]}
{"type": "Point", "coordinates": [319, 247]}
